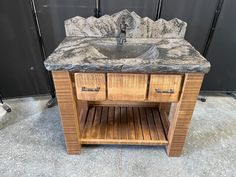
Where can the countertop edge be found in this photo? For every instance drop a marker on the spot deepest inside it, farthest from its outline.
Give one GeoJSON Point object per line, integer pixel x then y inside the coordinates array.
{"type": "Point", "coordinates": [159, 69]}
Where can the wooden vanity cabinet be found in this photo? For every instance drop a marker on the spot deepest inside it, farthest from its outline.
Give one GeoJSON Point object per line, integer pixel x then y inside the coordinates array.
{"type": "Point", "coordinates": [126, 108]}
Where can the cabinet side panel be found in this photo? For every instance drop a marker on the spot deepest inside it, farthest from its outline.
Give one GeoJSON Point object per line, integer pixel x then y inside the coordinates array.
{"type": "Point", "coordinates": [68, 110]}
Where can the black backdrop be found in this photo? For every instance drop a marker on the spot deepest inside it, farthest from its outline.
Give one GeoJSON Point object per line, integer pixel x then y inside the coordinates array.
{"type": "Point", "coordinates": [22, 72]}
{"type": "Point", "coordinates": [21, 64]}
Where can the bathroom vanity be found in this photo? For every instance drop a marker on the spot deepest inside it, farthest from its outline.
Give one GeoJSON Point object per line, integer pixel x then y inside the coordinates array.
{"type": "Point", "coordinates": [139, 92]}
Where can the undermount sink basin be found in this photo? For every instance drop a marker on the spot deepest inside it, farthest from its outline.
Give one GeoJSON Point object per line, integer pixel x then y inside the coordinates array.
{"type": "Point", "coordinates": [127, 50]}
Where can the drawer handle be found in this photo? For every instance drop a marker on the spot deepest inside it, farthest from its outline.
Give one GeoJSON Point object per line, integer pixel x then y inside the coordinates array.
{"type": "Point", "coordinates": [164, 91]}
{"type": "Point", "coordinates": [85, 89]}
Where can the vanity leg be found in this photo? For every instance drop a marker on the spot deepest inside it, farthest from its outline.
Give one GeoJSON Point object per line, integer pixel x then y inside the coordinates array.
{"type": "Point", "coordinates": [68, 110]}
{"type": "Point", "coordinates": [181, 114]}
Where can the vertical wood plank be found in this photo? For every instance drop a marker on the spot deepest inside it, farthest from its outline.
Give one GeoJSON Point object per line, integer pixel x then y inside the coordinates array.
{"type": "Point", "coordinates": [131, 131]}
{"type": "Point", "coordinates": [158, 124]}
{"type": "Point", "coordinates": [124, 134]}
{"type": "Point", "coordinates": [96, 122]}
{"type": "Point", "coordinates": [151, 124]}
{"type": "Point", "coordinates": [103, 125]}
{"type": "Point", "coordinates": [68, 110]}
{"type": "Point", "coordinates": [165, 121]}
{"type": "Point", "coordinates": [89, 122]}
{"type": "Point", "coordinates": [182, 116]}
{"type": "Point", "coordinates": [137, 124]}
{"type": "Point", "coordinates": [83, 120]}
{"type": "Point", "coordinates": [110, 124]}
{"type": "Point", "coordinates": [145, 128]}
{"type": "Point", "coordinates": [117, 123]}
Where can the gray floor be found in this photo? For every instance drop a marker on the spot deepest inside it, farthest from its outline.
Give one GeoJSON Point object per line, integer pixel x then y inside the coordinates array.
{"type": "Point", "coordinates": [31, 144]}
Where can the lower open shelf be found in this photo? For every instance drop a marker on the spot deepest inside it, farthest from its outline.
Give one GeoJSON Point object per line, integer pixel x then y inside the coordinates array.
{"type": "Point", "coordinates": [122, 125]}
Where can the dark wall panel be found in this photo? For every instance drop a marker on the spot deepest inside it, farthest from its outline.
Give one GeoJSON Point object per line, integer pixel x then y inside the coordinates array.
{"type": "Point", "coordinates": [21, 68]}
{"type": "Point", "coordinates": [52, 14]}
{"type": "Point", "coordinates": [222, 51]}
{"type": "Point", "coordinates": [143, 8]}
{"type": "Point", "coordinates": [197, 13]}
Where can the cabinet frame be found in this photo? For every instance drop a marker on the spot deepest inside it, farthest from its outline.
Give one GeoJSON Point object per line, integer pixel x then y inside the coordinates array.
{"type": "Point", "coordinates": [175, 116]}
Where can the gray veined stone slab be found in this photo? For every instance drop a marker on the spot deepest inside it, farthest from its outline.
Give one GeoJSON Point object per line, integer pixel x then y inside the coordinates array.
{"type": "Point", "coordinates": [151, 47]}
{"type": "Point", "coordinates": [109, 26]}
{"type": "Point", "coordinates": [164, 55]}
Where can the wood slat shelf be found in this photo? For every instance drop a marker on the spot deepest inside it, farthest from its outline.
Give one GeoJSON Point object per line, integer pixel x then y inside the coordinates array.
{"type": "Point", "coordinates": [122, 125]}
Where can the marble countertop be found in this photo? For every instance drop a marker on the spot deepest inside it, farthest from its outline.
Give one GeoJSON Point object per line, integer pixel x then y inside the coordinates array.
{"type": "Point", "coordinates": [172, 55]}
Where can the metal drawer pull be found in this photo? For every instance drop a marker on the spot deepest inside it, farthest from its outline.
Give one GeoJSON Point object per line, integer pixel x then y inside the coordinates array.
{"type": "Point", "coordinates": [85, 89]}
{"type": "Point", "coordinates": [164, 91]}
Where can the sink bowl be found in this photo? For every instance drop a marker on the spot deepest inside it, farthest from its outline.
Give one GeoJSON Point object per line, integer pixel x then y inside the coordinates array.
{"type": "Point", "coordinates": [127, 50]}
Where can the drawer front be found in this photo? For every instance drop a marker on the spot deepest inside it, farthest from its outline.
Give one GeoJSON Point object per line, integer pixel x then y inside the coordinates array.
{"type": "Point", "coordinates": [164, 88]}
{"type": "Point", "coordinates": [129, 87]}
{"type": "Point", "coordinates": [90, 86]}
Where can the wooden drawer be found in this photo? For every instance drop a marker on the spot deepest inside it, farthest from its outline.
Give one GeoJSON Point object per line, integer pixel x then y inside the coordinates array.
{"type": "Point", "coordinates": [164, 88]}
{"type": "Point", "coordinates": [130, 87]}
{"type": "Point", "coordinates": [90, 86]}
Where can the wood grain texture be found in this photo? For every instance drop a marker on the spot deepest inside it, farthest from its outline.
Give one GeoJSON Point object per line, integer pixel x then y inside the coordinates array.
{"type": "Point", "coordinates": [183, 113]}
{"type": "Point", "coordinates": [124, 103]}
{"type": "Point", "coordinates": [68, 110]}
{"type": "Point", "coordinates": [165, 120]}
{"type": "Point", "coordinates": [165, 107]}
{"type": "Point", "coordinates": [164, 82]}
{"type": "Point", "coordinates": [127, 86]}
{"type": "Point", "coordinates": [90, 80]}
{"type": "Point", "coordinates": [124, 125]}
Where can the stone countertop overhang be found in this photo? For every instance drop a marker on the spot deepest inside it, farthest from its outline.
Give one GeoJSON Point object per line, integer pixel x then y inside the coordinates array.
{"type": "Point", "coordinates": [173, 54]}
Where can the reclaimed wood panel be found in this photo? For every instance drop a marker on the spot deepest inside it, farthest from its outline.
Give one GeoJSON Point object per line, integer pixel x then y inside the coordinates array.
{"type": "Point", "coordinates": [90, 81]}
{"type": "Point", "coordinates": [129, 87]}
{"type": "Point", "coordinates": [164, 82]}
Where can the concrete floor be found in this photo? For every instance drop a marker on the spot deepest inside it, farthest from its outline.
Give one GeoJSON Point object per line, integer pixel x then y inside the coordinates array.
{"type": "Point", "coordinates": [31, 144]}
